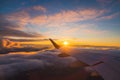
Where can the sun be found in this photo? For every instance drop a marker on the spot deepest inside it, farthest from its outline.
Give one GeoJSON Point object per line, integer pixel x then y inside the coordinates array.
{"type": "Point", "coordinates": [65, 43]}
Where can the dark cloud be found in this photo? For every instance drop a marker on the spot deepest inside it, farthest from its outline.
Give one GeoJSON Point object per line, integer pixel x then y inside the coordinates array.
{"type": "Point", "coordinates": [28, 40]}
{"type": "Point", "coordinates": [8, 28]}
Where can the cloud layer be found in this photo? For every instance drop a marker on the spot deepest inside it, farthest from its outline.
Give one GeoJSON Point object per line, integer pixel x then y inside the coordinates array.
{"type": "Point", "coordinates": [14, 63]}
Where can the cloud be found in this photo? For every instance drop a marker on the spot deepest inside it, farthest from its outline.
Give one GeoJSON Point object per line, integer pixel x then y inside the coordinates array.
{"type": "Point", "coordinates": [108, 17]}
{"type": "Point", "coordinates": [64, 17]}
{"type": "Point", "coordinates": [8, 28]}
{"type": "Point", "coordinates": [58, 20]}
{"type": "Point", "coordinates": [45, 61]}
{"type": "Point", "coordinates": [61, 18]}
{"type": "Point", "coordinates": [39, 8]}
{"type": "Point", "coordinates": [34, 8]}
{"type": "Point", "coordinates": [28, 39]}
{"type": "Point", "coordinates": [39, 20]}
{"type": "Point", "coordinates": [15, 63]}
{"type": "Point", "coordinates": [110, 4]}
{"type": "Point", "coordinates": [89, 29]}
{"type": "Point", "coordinates": [20, 18]}
{"type": "Point", "coordinates": [81, 15]}
{"type": "Point", "coordinates": [93, 31]}
{"type": "Point", "coordinates": [23, 17]}
{"type": "Point", "coordinates": [104, 2]}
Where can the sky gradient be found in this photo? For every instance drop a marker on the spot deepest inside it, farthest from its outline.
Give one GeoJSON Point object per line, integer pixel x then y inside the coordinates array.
{"type": "Point", "coordinates": [85, 22]}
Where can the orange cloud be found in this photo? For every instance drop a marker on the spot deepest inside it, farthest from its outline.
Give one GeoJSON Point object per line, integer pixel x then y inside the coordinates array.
{"type": "Point", "coordinates": [35, 8]}
{"type": "Point", "coordinates": [20, 18]}
{"type": "Point", "coordinates": [66, 16]}
{"type": "Point", "coordinates": [23, 17]}
{"type": "Point", "coordinates": [39, 8]}
{"type": "Point", "coordinates": [75, 16]}
{"type": "Point", "coordinates": [38, 20]}
{"type": "Point", "coordinates": [62, 17]}
{"type": "Point", "coordinates": [59, 20]}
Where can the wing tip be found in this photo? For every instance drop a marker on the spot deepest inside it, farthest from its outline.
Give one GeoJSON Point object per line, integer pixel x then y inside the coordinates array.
{"type": "Point", "coordinates": [54, 44]}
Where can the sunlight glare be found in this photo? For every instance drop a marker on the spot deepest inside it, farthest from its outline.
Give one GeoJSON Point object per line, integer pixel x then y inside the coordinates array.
{"type": "Point", "coordinates": [65, 43]}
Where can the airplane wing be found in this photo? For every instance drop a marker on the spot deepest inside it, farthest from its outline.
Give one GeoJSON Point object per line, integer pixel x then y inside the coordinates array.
{"type": "Point", "coordinates": [107, 64]}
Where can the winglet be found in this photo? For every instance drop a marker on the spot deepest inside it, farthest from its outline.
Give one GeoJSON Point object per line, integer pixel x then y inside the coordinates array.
{"type": "Point", "coordinates": [54, 44]}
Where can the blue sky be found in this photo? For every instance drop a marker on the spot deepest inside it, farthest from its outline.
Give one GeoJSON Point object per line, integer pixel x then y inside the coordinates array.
{"type": "Point", "coordinates": [91, 21]}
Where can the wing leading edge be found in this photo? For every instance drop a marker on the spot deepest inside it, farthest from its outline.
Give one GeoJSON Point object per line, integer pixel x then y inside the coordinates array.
{"type": "Point", "coordinates": [54, 44]}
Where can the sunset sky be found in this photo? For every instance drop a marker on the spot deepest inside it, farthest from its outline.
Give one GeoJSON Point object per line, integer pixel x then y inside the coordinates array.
{"type": "Point", "coordinates": [84, 22]}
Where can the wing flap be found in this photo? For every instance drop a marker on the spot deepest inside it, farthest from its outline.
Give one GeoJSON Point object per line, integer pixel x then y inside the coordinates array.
{"type": "Point", "coordinates": [107, 72]}
{"type": "Point", "coordinates": [108, 66]}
